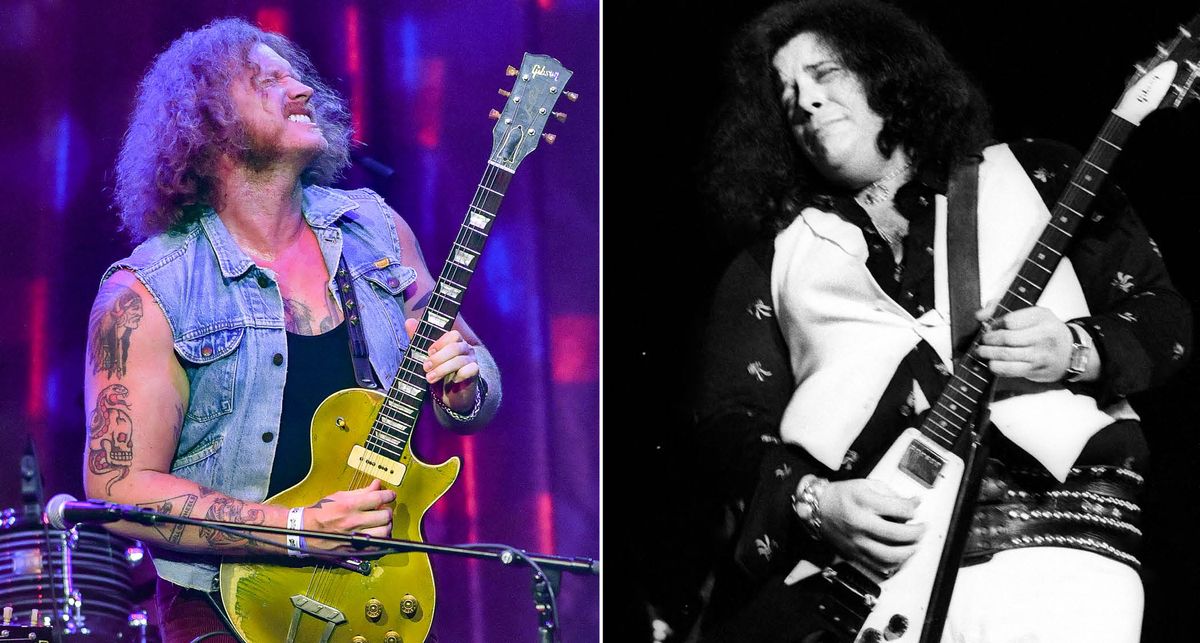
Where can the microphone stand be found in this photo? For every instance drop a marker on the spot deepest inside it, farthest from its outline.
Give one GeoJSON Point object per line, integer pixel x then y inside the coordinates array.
{"type": "Point", "coordinates": [547, 569]}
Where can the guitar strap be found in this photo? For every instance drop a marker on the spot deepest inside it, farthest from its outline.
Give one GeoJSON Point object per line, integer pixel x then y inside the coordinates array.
{"type": "Point", "coordinates": [358, 341]}
{"type": "Point", "coordinates": [962, 254]}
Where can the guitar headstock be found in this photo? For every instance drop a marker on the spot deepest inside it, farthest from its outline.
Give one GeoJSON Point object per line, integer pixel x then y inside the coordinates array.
{"type": "Point", "coordinates": [1167, 79]}
{"type": "Point", "coordinates": [540, 82]}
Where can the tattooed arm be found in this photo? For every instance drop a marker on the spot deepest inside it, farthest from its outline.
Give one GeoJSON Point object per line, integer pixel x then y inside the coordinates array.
{"type": "Point", "coordinates": [136, 394]}
{"type": "Point", "coordinates": [458, 361]}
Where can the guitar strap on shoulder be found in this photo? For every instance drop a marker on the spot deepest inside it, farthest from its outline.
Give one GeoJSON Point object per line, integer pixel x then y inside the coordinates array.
{"type": "Point", "coordinates": [358, 341]}
{"type": "Point", "coordinates": [962, 254]}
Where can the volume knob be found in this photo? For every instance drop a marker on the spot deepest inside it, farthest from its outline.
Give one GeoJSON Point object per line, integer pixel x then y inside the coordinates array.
{"type": "Point", "coordinates": [409, 606]}
{"type": "Point", "coordinates": [374, 609]}
{"type": "Point", "coordinates": [391, 636]}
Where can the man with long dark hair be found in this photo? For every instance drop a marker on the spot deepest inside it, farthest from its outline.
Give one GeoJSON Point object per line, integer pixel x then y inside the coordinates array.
{"type": "Point", "coordinates": [212, 344]}
{"type": "Point", "coordinates": [831, 335]}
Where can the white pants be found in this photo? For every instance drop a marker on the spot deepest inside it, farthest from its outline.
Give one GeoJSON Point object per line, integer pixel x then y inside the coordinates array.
{"type": "Point", "coordinates": [1046, 595]}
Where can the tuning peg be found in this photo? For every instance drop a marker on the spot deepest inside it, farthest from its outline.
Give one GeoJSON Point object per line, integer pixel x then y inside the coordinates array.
{"type": "Point", "coordinates": [1184, 32]}
{"type": "Point", "coordinates": [511, 71]}
{"type": "Point", "coordinates": [561, 116]}
{"type": "Point", "coordinates": [549, 138]}
{"type": "Point", "coordinates": [504, 92]}
{"type": "Point", "coordinates": [571, 96]}
{"type": "Point", "coordinates": [494, 115]}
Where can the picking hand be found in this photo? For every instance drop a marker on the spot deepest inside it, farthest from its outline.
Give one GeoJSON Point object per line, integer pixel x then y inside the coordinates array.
{"type": "Point", "coordinates": [367, 510]}
{"type": "Point", "coordinates": [867, 523]}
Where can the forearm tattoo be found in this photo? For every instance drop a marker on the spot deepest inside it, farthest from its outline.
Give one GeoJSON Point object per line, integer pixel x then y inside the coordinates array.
{"type": "Point", "coordinates": [181, 505]}
{"type": "Point", "coordinates": [230, 510]}
{"type": "Point", "coordinates": [115, 315]}
{"type": "Point", "coordinates": [110, 435]}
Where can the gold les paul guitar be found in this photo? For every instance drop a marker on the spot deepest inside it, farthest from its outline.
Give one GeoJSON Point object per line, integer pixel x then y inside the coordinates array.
{"type": "Point", "coordinates": [360, 435]}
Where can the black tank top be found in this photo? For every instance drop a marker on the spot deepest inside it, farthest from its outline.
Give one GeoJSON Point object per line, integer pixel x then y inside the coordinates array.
{"type": "Point", "coordinates": [318, 365]}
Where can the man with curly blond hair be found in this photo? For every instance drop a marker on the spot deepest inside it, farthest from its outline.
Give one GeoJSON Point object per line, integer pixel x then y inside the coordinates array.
{"type": "Point", "coordinates": [219, 335]}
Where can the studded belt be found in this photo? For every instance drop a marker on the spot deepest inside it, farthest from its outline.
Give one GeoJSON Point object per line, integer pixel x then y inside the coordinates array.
{"type": "Point", "coordinates": [1094, 510]}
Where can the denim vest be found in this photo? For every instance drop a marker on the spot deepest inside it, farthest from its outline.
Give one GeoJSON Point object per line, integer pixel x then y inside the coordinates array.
{"type": "Point", "coordinates": [227, 325]}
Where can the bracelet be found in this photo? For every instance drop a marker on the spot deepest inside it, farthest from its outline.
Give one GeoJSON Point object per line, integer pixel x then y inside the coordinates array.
{"type": "Point", "coordinates": [480, 392]}
{"type": "Point", "coordinates": [808, 505]}
{"type": "Point", "coordinates": [295, 542]}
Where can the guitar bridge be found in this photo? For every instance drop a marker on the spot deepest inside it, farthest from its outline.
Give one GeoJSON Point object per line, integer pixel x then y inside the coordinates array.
{"type": "Point", "coordinates": [921, 463]}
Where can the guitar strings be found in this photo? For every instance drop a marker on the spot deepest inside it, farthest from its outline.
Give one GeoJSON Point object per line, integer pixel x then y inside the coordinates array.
{"type": "Point", "coordinates": [322, 580]}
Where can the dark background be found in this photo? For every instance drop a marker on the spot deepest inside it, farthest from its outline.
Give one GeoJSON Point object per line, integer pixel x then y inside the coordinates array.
{"type": "Point", "coordinates": [1049, 69]}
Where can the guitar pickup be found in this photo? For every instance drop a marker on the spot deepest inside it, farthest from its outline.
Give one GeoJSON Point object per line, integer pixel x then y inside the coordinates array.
{"type": "Point", "coordinates": [376, 465]}
{"type": "Point", "coordinates": [921, 463]}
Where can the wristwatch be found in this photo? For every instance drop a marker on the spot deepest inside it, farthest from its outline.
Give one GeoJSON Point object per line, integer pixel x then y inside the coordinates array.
{"type": "Point", "coordinates": [1081, 349]}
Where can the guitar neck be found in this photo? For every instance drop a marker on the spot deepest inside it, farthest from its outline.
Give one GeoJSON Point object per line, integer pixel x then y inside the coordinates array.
{"type": "Point", "coordinates": [955, 410]}
{"type": "Point", "coordinates": [398, 416]}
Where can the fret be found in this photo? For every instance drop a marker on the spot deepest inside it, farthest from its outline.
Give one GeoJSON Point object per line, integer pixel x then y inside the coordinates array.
{"type": "Point", "coordinates": [400, 407]}
{"type": "Point", "coordinates": [1090, 193]}
{"type": "Point", "coordinates": [1044, 269]}
{"type": "Point", "coordinates": [440, 321]}
{"type": "Point", "coordinates": [479, 221]}
{"type": "Point", "coordinates": [1048, 247]}
{"type": "Point", "coordinates": [951, 412]}
{"type": "Point", "coordinates": [471, 238]}
{"type": "Point", "coordinates": [1104, 140]}
{"type": "Point", "coordinates": [1102, 170]}
{"type": "Point", "coordinates": [389, 439]}
{"type": "Point", "coordinates": [409, 389]}
{"type": "Point", "coordinates": [1072, 210]}
{"type": "Point", "coordinates": [449, 291]}
{"type": "Point", "coordinates": [463, 257]}
{"type": "Point", "coordinates": [1051, 224]}
{"type": "Point", "coordinates": [482, 187]}
{"type": "Point", "coordinates": [1028, 281]}
{"type": "Point", "coordinates": [1023, 300]}
{"type": "Point", "coordinates": [417, 374]}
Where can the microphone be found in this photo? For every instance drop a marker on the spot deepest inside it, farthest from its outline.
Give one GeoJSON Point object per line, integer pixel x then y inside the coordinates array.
{"type": "Point", "coordinates": [65, 508]}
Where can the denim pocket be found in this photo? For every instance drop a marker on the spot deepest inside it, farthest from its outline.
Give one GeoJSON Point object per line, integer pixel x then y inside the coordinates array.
{"type": "Point", "coordinates": [392, 278]}
{"type": "Point", "coordinates": [210, 361]}
{"type": "Point", "coordinates": [197, 454]}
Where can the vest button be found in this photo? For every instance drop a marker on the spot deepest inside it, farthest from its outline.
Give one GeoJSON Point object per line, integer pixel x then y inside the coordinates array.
{"type": "Point", "coordinates": [268, 436]}
{"type": "Point", "coordinates": [263, 282]}
{"type": "Point", "coordinates": [278, 359]}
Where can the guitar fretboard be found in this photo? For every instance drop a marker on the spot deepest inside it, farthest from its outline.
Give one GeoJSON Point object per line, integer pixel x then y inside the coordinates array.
{"type": "Point", "coordinates": [956, 407]}
{"type": "Point", "coordinates": [398, 415]}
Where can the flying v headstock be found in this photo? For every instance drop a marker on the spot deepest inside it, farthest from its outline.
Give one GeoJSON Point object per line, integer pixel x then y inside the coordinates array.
{"type": "Point", "coordinates": [1167, 79]}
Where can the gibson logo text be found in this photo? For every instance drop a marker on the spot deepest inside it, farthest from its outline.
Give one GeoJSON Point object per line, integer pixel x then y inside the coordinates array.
{"type": "Point", "coordinates": [540, 70]}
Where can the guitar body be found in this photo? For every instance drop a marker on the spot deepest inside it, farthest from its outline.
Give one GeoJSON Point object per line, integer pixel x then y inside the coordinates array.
{"type": "Point", "coordinates": [261, 599]}
{"type": "Point", "coordinates": [857, 591]}
{"type": "Point", "coordinates": [907, 592]}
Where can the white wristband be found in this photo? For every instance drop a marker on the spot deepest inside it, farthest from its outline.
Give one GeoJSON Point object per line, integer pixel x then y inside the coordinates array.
{"type": "Point", "coordinates": [295, 542]}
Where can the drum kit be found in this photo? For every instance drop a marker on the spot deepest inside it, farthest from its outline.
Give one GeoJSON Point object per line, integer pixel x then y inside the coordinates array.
{"type": "Point", "coordinates": [67, 585]}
